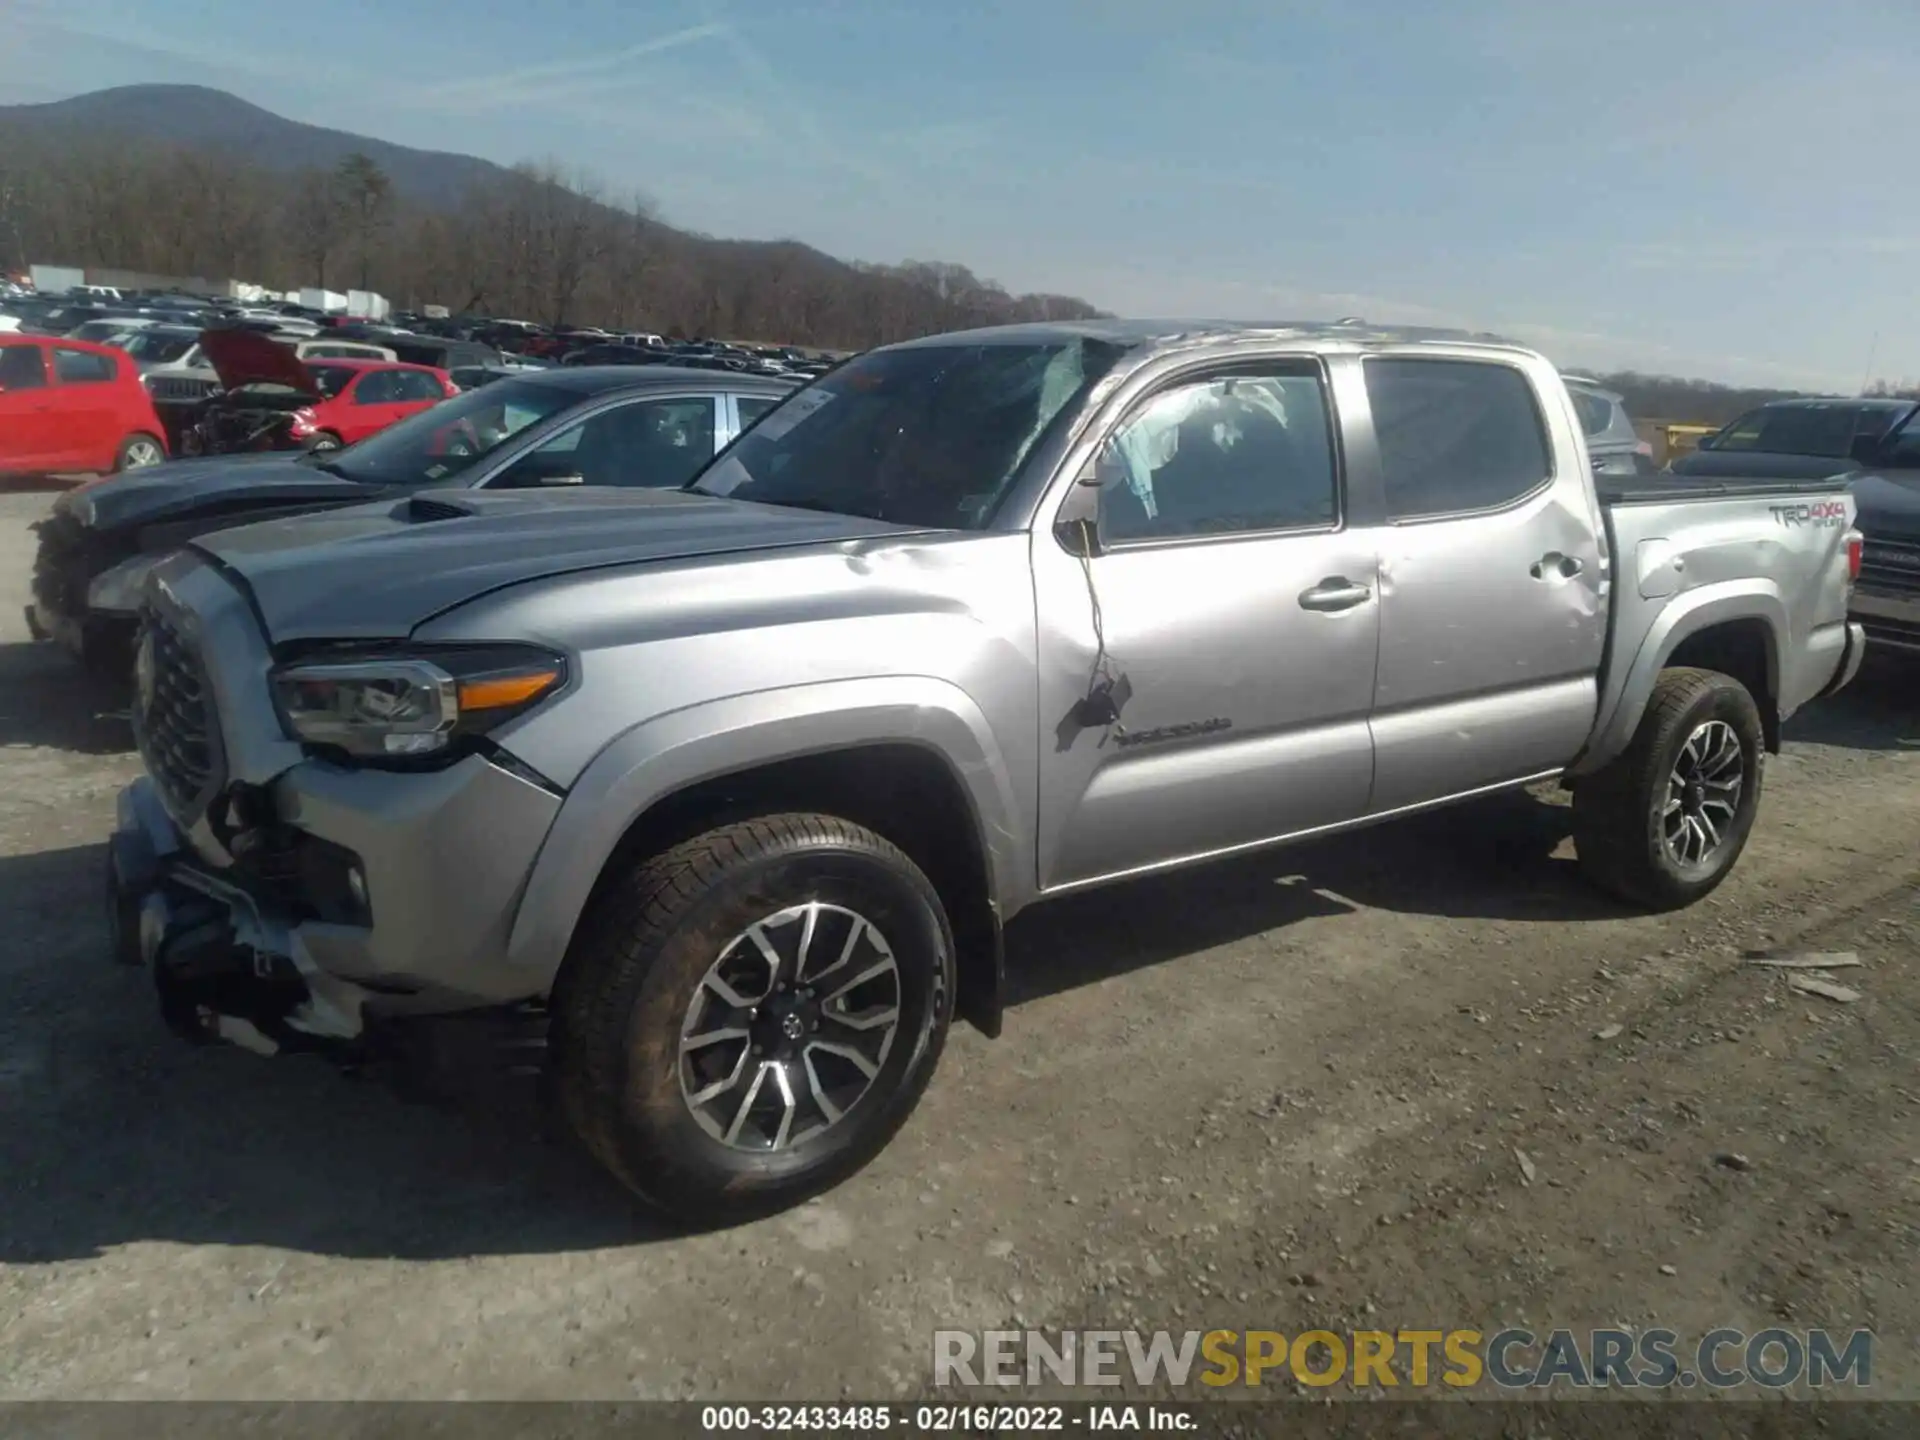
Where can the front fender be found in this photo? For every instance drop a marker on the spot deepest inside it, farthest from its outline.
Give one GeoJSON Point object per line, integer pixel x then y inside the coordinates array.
{"type": "Point", "coordinates": [1624, 699]}
{"type": "Point", "coordinates": [670, 752]}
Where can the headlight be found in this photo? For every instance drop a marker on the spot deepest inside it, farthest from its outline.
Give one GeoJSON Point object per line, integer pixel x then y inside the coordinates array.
{"type": "Point", "coordinates": [416, 705]}
{"type": "Point", "coordinates": [118, 591]}
{"type": "Point", "coordinates": [77, 503]}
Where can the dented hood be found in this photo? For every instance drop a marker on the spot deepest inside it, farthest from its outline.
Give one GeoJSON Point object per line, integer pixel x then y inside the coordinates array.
{"type": "Point", "coordinates": [246, 357]}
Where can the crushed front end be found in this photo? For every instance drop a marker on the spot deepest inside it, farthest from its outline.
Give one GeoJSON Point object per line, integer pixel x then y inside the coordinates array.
{"type": "Point", "coordinates": [251, 418]}
{"type": "Point", "coordinates": [286, 901]}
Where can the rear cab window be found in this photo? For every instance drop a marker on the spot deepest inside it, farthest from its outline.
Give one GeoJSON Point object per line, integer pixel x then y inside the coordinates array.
{"type": "Point", "coordinates": [1455, 436]}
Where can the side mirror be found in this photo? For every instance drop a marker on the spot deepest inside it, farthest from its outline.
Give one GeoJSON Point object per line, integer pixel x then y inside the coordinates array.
{"type": "Point", "coordinates": [1077, 526]}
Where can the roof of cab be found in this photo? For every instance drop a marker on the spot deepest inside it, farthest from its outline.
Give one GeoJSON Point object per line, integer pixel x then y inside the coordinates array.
{"type": "Point", "coordinates": [1155, 334]}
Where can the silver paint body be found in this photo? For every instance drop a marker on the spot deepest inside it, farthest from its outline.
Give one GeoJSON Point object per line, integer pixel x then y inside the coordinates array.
{"type": "Point", "coordinates": [709, 636]}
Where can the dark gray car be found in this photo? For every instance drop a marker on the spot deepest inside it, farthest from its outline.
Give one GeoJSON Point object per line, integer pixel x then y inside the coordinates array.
{"type": "Point", "coordinates": [652, 428]}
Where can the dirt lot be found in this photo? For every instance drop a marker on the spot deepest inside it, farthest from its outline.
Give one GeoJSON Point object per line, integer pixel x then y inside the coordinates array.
{"type": "Point", "coordinates": [1280, 1093]}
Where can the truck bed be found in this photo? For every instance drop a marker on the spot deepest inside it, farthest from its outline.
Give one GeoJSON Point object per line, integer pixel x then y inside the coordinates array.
{"type": "Point", "coordinates": [1773, 551]}
{"type": "Point", "coordinates": [1665, 489]}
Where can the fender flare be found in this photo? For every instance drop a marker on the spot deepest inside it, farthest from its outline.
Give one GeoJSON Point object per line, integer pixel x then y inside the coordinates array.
{"type": "Point", "coordinates": [668, 753]}
{"type": "Point", "coordinates": [1625, 699]}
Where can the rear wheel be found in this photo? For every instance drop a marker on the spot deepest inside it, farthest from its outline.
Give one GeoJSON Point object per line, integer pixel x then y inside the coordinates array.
{"type": "Point", "coordinates": [322, 443]}
{"type": "Point", "coordinates": [747, 1018]}
{"type": "Point", "coordinates": [1663, 823]}
{"type": "Point", "coordinates": [137, 452]}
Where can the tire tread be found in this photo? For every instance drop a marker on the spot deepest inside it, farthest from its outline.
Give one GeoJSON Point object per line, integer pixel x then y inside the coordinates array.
{"type": "Point", "coordinates": [1609, 811]}
{"type": "Point", "coordinates": [625, 924]}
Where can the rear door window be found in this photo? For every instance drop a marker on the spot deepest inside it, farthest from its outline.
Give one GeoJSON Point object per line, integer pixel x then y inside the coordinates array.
{"type": "Point", "coordinates": [376, 387]}
{"type": "Point", "coordinates": [81, 367]}
{"type": "Point", "coordinates": [1596, 412]}
{"type": "Point", "coordinates": [414, 385]}
{"type": "Point", "coordinates": [752, 407]}
{"type": "Point", "coordinates": [1455, 436]}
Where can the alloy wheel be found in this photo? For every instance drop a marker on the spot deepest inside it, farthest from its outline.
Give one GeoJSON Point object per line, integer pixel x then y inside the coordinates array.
{"type": "Point", "coordinates": [1703, 795]}
{"type": "Point", "coordinates": [789, 1028]}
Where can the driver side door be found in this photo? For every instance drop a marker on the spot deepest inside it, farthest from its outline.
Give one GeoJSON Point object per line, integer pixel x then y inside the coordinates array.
{"type": "Point", "coordinates": [29, 424]}
{"type": "Point", "coordinates": [1231, 615]}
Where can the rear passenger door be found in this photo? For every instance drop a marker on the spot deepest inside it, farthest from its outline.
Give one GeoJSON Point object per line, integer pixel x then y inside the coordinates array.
{"type": "Point", "coordinates": [1493, 587]}
{"type": "Point", "coordinates": [373, 404]}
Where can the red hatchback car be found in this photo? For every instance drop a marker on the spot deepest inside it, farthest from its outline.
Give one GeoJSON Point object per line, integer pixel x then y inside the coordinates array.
{"type": "Point", "coordinates": [270, 399]}
{"type": "Point", "coordinates": [362, 397]}
{"type": "Point", "coordinates": [69, 405]}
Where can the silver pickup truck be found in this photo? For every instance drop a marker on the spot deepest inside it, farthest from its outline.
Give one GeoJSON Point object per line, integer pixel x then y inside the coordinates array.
{"type": "Point", "coordinates": [731, 789]}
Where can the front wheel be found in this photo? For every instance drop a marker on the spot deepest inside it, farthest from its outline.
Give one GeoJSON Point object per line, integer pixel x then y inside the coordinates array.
{"type": "Point", "coordinates": [747, 1018]}
{"type": "Point", "coordinates": [1663, 823]}
{"type": "Point", "coordinates": [323, 443]}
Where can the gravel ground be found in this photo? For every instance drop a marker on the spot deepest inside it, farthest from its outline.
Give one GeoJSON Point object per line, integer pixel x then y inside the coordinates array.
{"type": "Point", "coordinates": [1279, 1093]}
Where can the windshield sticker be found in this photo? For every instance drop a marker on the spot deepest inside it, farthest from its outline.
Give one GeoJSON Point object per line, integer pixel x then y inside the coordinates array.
{"type": "Point", "coordinates": [779, 421]}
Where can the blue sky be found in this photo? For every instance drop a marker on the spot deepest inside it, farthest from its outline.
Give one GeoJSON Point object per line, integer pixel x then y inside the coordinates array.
{"type": "Point", "coordinates": [1721, 188]}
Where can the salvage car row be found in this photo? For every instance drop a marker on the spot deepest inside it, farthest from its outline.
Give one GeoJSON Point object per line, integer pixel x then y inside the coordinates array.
{"type": "Point", "coordinates": [725, 784]}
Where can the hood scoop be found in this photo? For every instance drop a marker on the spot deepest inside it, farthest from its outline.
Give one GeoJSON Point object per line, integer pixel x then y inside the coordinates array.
{"type": "Point", "coordinates": [423, 508]}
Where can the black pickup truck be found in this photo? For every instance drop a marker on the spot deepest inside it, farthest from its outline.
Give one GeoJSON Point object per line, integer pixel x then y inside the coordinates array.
{"type": "Point", "coordinates": [1877, 442]}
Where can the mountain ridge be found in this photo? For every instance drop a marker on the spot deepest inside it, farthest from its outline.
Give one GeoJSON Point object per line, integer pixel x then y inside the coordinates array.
{"type": "Point", "coordinates": [202, 117]}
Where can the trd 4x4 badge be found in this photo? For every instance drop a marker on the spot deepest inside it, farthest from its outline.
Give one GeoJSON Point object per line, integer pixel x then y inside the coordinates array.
{"type": "Point", "coordinates": [1821, 512]}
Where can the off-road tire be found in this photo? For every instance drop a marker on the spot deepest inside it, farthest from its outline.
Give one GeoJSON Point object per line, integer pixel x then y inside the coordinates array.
{"type": "Point", "coordinates": [645, 944]}
{"type": "Point", "coordinates": [1617, 810]}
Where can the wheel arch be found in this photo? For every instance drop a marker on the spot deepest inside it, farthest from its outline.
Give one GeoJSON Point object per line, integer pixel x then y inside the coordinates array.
{"type": "Point", "coordinates": [1739, 628]}
{"type": "Point", "coordinates": [920, 768]}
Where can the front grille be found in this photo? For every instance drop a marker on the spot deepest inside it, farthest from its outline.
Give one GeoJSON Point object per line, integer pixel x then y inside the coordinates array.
{"type": "Point", "coordinates": [173, 716]}
{"type": "Point", "coordinates": [179, 388]}
{"type": "Point", "coordinates": [68, 557]}
{"type": "Point", "coordinates": [1890, 565]}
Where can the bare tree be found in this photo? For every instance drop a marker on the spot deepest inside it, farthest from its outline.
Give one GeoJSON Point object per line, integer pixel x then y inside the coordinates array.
{"type": "Point", "coordinates": [317, 220]}
{"type": "Point", "coordinates": [366, 194]}
{"type": "Point", "coordinates": [537, 242]}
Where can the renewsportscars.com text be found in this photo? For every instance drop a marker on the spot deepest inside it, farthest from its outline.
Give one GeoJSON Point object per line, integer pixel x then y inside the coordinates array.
{"type": "Point", "coordinates": [1510, 1359]}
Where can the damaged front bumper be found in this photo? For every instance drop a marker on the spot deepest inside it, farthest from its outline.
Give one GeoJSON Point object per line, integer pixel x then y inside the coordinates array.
{"type": "Point", "coordinates": [358, 900]}
{"type": "Point", "coordinates": [224, 967]}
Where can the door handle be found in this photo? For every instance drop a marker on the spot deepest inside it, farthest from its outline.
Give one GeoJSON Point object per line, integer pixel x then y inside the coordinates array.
{"type": "Point", "coordinates": [1336, 592]}
{"type": "Point", "coordinates": [1554, 565]}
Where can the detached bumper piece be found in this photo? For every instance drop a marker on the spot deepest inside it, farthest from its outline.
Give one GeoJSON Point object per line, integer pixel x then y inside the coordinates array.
{"type": "Point", "coordinates": [223, 969]}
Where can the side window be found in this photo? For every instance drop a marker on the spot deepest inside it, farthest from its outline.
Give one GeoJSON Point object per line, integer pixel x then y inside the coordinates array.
{"type": "Point", "coordinates": [1596, 413]}
{"type": "Point", "coordinates": [377, 387]}
{"type": "Point", "coordinates": [1903, 450]}
{"type": "Point", "coordinates": [1222, 456]}
{"type": "Point", "coordinates": [656, 444]}
{"type": "Point", "coordinates": [81, 367]}
{"type": "Point", "coordinates": [752, 407]}
{"type": "Point", "coordinates": [418, 385]}
{"type": "Point", "coordinates": [21, 367]}
{"type": "Point", "coordinates": [1455, 435]}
